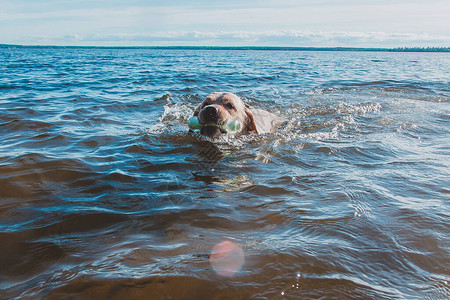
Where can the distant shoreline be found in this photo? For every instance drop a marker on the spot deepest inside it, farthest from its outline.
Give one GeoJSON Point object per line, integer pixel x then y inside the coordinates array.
{"type": "Point", "coordinates": [257, 48]}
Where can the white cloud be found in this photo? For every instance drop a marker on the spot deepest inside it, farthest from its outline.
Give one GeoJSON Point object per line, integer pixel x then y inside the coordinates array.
{"type": "Point", "coordinates": [253, 38]}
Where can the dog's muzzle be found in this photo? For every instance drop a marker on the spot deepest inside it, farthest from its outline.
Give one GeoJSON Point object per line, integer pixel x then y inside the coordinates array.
{"type": "Point", "coordinates": [209, 114]}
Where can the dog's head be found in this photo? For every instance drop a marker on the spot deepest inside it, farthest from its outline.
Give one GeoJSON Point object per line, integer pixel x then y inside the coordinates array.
{"type": "Point", "coordinates": [220, 108]}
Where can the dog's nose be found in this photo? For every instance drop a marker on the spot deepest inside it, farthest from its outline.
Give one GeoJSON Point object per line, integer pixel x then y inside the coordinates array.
{"type": "Point", "coordinates": [210, 114]}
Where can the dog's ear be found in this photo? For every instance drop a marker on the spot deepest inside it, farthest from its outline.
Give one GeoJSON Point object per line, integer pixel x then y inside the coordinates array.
{"type": "Point", "coordinates": [250, 125]}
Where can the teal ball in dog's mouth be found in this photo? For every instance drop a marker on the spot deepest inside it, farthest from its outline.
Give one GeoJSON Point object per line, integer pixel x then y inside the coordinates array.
{"type": "Point", "coordinates": [230, 126]}
{"type": "Point", "coordinates": [194, 124]}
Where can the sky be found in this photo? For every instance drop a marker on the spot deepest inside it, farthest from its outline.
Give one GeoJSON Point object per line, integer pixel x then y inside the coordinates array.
{"type": "Point", "coordinates": [295, 23]}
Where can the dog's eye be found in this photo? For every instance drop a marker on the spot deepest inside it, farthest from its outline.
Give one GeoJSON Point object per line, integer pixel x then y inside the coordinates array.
{"type": "Point", "coordinates": [229, 105]}
{"type": "Point", "coordinates": [206, 104]}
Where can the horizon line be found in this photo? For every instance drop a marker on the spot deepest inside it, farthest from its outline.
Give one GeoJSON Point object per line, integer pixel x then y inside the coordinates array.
{"type": "Point", "coordinates": [272, 48]}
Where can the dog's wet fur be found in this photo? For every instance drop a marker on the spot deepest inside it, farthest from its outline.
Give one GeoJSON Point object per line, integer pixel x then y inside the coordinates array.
{"type": "Point", "coordinates": [220, 107]}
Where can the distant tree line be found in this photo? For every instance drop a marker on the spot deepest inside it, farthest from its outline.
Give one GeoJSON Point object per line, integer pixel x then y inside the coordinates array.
{"type": "Point", "coordinates": [274, 48]}
{"type": "Point", "coordinates": [422, 49]}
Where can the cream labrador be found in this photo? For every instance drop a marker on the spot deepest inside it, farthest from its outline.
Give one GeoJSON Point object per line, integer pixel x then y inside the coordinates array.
{"type": "Point", "coordinates": [226, 113]}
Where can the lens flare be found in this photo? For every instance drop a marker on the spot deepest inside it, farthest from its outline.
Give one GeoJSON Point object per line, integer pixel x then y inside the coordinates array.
{"type": "Point", "coordinates": [226, 258]}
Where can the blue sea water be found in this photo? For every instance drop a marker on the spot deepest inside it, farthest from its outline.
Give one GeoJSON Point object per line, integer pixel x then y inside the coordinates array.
{"type": "Point", "coordinates": [105, 195]}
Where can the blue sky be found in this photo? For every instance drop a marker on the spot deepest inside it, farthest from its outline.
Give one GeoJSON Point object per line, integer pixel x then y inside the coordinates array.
{"type": "Point", "coordinates": [319, 23]}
